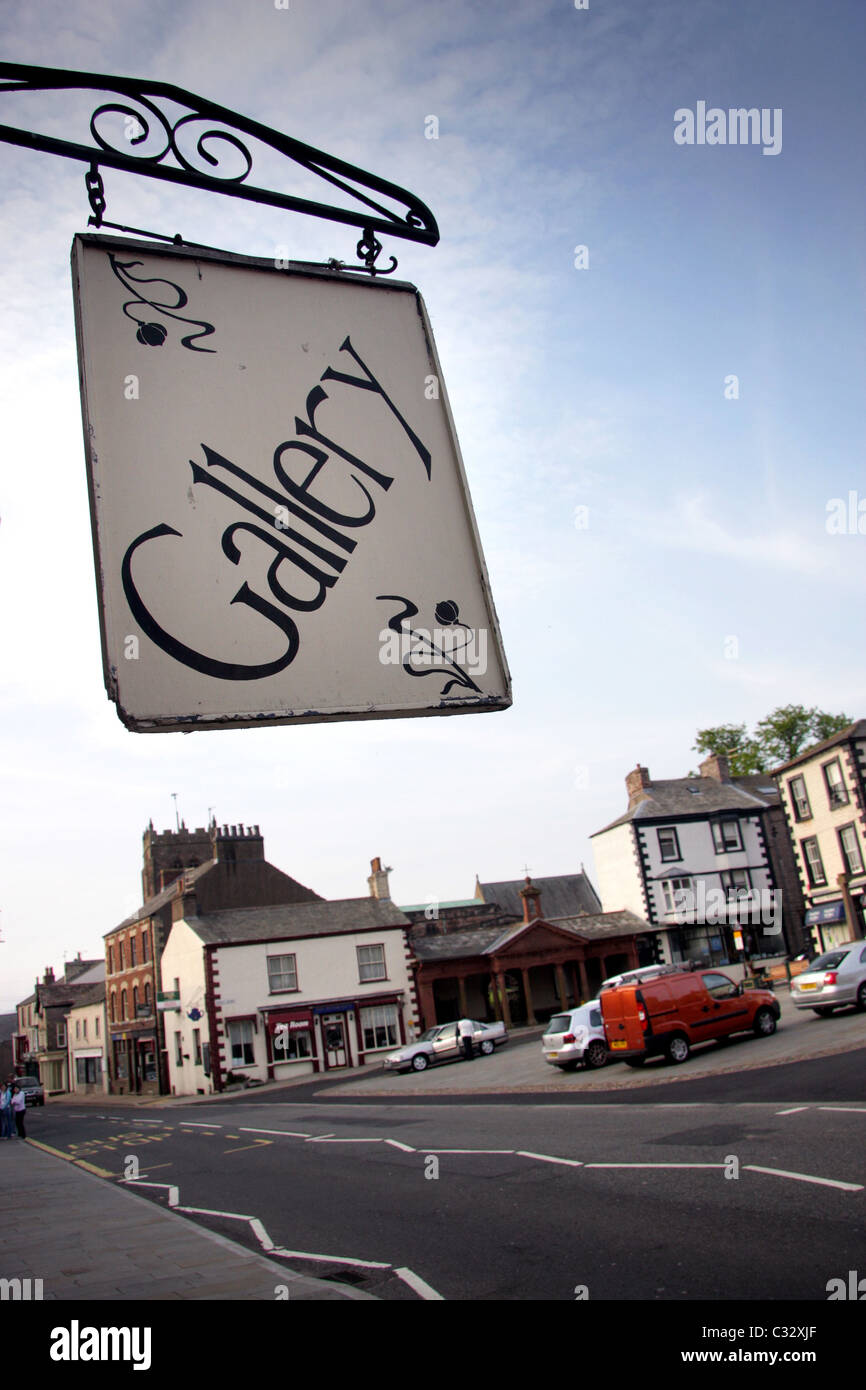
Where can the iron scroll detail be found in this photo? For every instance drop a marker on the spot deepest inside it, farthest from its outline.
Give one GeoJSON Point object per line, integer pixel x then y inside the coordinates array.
{"type": "Point", "coordinates": [219, 132]}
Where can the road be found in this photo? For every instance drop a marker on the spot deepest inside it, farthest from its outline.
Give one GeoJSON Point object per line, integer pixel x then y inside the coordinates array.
{"type": "Point", "coordinates": [733, 1196]}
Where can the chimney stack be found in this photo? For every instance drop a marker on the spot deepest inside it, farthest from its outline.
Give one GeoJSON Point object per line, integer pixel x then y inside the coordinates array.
{"type": "Point", "coordinates": [378, 881]}
{"type": "Point", "coordinates": [717, 767]}
{"type": "Point", "coordinates": [48, 978]}
{"type": "Point", "coordinates": [531, 900]}
{"type": "Point", "coordinates": [636, 783]}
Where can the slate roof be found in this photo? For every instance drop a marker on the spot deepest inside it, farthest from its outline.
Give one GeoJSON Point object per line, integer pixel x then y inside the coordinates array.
{"type": "Point", "coordinates": [289, 920]}
{"type": "Point", "coordinates": [562, 895]}
{"type": "Point", "coordinates": [159, 900]}
{"type": "Point", "coordinates": [695, 796]}
{"type": "Point", "coordinates": [92, 993]}
{"type": "Point", "coordinates": [488, 941]}
{"type": "Point", "coordinates": [855, 730]}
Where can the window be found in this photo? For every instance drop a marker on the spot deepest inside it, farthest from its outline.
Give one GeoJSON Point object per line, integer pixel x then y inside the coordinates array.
{"type": "Point", "coordinates": [132, 960]}
{"type": "Point", "coordinates": [379, 1027]}
{"type": "Point", "coordinates": [84, 1029]}
{"type": "Point", "coordinates": [291, 1044]}
{"type": "Point", "coordinates": [814, 863]}
{"type": "Point", "coordinates": [135, 1001]}
{"type": "Point", "coordinates": [371, 963]}
{"type": "Point", "coordinates": [802, 809]}
{"type": "Point", "coordinates": [850, 847]}
{"type": "Point", "coordinates": [669, 847]}
{"type": "Point", "coordinates": [61, 1035]}
{"type": "Point", "coordinates": [147, 995]}
{"type": "Point", "coordinates": [78, 1028]}
{"type": "Point", "coordinates": [178, 1049]}
{"type": "Point", "coordinates": [241, 1043]}
{"type": "Point", "coordinates": [196, 1044]}
{"type": "Point", "coordinates": [726, 834]}
{"type": "Point", "coordinates": [97, 1025]}
{"type": "Point", "coordinates": [120, 955]}
{"type": "Point", "coordinates": [837, 794]}
{"type": "Point", "coordinates": [678, 894]}
{"type": "Point", "coordinates": [735, 883]}
{"type": "Point", "coordinates": [282, 973]}
{"type": "Point", "coordinates": [720, 987]}
{"type": "Point", "coordinates": [145, 951]}
{"type": "Point", "coordinates": [88, 1070]}
{"type": "Point", "coordinates": [122, 1004]}
{"type": "Point", "coordinates": [112, 1007]}
{"type": "Point", "coordinates": [111, 960]}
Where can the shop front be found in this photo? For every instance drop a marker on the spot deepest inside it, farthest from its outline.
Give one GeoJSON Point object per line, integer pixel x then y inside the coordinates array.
{"type": "Point", "coordinates": [332, 1035]}
{"type": "Point", "coordinates": [134, 1069]}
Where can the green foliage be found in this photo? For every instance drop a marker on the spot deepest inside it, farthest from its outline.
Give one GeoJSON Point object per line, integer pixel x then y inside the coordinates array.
{"type": "Point", "coordinates": [780, 736]}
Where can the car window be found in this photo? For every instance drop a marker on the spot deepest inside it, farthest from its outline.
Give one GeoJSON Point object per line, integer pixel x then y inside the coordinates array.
{"type": "Point", "coordinates": [719, 986]}
{"type": "Point", "coordinates": [830, 961]}
{"type": "Point", "coordinates": [595, 1017]}
{"type": "Point", "coordinates": [560, 1023]}
{"type": "Point", "coordinates": [863, 956]}
{"type": "Point", "coordinates": [448, 1031]}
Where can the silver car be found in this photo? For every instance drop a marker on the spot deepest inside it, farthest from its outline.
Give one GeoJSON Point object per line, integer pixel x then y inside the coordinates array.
{"type": "Point", "coordinates": [443, 1044]}
{"type": "Point", "coordinates": [833, 980]}
{"type": "Point", "coordinates": [576, 1036]}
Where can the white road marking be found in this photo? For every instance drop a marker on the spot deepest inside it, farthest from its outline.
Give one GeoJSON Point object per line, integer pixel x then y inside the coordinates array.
{"type": "Point", "coordinates": [418, 1285]}
{"type": "Point", "coordinates": [795, 1110]}
{"type": "Point", "coordinates": [466, 1151]}
{"type": "Point", "coordinates": [395, 1144]}
{"type": "Point", "coordinates": [316, 1138]}
{"type": "Point", "coordinates": [549, 1158]}
{"type": "Point", "coordinates": [287, 1133]}
{"type": "Point", "coordinates": [656, 1165]}
{"type": "Point", "coordinates": [330, 1259]}
{"type": "Point", "coordinates": [806, 1177]}
{"type": "Point", "coordinates": [198, 1124]}
{"type": "Point", "coordinates": [173, 1193]}
{"type": "Point", "coordinates": [329, 1139]}
{"type": "Point", "coordinates": [848, 1109]}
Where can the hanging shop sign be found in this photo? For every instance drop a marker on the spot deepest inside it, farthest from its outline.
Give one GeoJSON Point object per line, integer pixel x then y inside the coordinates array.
{"type": "Point", "coordinates": [282, 527]}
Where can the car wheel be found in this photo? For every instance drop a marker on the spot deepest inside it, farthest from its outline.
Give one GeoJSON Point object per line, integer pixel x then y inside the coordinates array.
{"type": "Point", "coordinates": [635, 1061]}
{"type": "Point", "coordinates": [823, 1011]}
{"type": "Point", "coordinates": [677, 1049]}
{"type": "Point", "coordinates": [595, 1055]}
{"type": "Point", "coordinates": [861, 997]}
{"type": "Point", "coordinates": [419, 1062]}
{"type": "Point", "coordinates": [487, 1047]}
{"type": "Point", "coordinates": [765, 1024]}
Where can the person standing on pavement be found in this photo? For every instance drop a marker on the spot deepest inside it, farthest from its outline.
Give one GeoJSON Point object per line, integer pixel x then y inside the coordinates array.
{"type": "Point", "coordinates": [19, 1106]}
{"type": "Point", "coordinates": [465, 1030]}
{"type": "Point", "coordinates": [6, 1123]}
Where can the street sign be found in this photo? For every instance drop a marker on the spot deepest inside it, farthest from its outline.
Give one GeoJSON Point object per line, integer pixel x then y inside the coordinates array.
{"type": "Point", "coordinates": [282, 527]}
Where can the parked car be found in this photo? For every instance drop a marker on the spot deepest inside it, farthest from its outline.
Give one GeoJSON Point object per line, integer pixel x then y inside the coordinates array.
{"type": "Point", "coordinates": [442, 1044]}
{"type": "Point", "coordinates": [32, 1088]}
{"type": "Point", "coordinates": [833, 980]}
{"type": "Point", "coordinates": [576, 1036]}
{"type": "Point", "coordinates": [668, 1014]}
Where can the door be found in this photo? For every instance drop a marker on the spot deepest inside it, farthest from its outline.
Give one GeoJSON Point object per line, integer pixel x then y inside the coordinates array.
{"type": "Point", "coordinates": [334, 1040]}
{"type": "Point", "coordinates": [724, 1010]}
{"type": "Point", "coordinates": [446, 1043]}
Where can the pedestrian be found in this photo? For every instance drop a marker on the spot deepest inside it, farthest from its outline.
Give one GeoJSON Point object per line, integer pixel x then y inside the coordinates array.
{"type": "Point", "coordinates": [465, 1030]}
{"type": "Point", "coordinates": [6, 1124]}
{"type": "Point", "coordinates": [19, 1106]}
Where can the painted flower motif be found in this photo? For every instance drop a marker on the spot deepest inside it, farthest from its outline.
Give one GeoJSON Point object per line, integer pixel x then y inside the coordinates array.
{"type": "Point", "coordinates": [447, 612]}
{"type": "Point", "coordinates": [153, 334]}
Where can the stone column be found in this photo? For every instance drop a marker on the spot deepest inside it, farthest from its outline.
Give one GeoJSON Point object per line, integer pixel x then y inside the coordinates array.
{"type": "Point", "coordinates": [561, 987]}
{"type": "Point", "coordinates": [527, 993]}
{"type": "Point", "coordinates": [461, 996]}
{"type": "Point", "coordinates": [499, 984]}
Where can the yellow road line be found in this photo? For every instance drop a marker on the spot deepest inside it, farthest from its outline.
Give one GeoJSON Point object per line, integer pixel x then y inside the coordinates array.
{"type": "Point", "coordinates": [248, 1146]}
{"type": "Point", "coordinates": [79, 1162]}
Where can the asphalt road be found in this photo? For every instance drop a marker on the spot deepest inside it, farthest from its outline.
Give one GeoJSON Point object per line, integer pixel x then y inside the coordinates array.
{"type": "Point", "coordinates": [752, 1194]}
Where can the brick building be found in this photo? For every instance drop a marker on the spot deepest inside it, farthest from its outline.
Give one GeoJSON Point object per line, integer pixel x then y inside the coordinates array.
{"type": "Point", "coordinates": [225, 867]}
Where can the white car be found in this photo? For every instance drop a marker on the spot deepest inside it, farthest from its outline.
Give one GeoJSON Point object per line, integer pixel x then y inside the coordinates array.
{"type": "Point", "coordinates": [833, 980]}
{"type": "Point", "coordinates": [576, 1036]}
{"type": "Point", "coordinates": [442, 1044]}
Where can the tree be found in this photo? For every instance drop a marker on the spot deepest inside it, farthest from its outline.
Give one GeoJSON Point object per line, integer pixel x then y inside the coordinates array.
{"type": "Point", "coordinates": [780, 736]}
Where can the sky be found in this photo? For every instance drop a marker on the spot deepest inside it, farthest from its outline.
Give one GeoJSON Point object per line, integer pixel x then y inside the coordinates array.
{"type": "Point", "coordinates": [653, 428]}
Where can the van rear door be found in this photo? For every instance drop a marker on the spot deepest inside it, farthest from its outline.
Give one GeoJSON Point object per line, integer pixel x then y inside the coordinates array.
{"type": "Point", "coordinates": [621, 1008]}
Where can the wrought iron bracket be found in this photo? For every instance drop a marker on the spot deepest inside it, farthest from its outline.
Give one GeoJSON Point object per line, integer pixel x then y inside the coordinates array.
{"type": "Point", "coordinates": [144, 116]}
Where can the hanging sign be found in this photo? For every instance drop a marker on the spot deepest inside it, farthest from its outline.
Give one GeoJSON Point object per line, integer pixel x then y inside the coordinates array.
{"type": "Point", "coordinates": [282, 527]}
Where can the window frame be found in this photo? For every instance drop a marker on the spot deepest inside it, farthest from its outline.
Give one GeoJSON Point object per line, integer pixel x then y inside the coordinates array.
{"type": "Point", "coordinates": [799, 814]}
{"type": "Point", "coordinates": [293, 970]}
{"type": "Point", "coordinates": [671, 907]}
{"type": "Point", "coordinates": [243, 1044]}
{"type": "Point", "coordinates": [814, 882]}
{"type": "Point", "coordinates": [717, 827]}
{"type": "Point", "coordinates": [852, 826]}
{"type": "Point", "coordinates": [387, 1019]}
{"type": "Point", "coordinates": [368, 965]}
{"type": "Point", "coordinates": [837, 796]}
{"type": "Point", "coordinates": [669, 858]}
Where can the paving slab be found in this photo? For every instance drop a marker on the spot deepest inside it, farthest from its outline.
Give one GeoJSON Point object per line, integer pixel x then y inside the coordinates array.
{"type": "Point", "coordinates": [88, 1239]}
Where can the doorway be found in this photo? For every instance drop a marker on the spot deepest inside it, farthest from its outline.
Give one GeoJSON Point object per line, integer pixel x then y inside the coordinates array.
{"type": "Point", "coordinates": [334, 1040]}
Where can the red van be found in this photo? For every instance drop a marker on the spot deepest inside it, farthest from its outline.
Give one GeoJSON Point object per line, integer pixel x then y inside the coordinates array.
{"type": "Point", "coordinates": [668, 1014]}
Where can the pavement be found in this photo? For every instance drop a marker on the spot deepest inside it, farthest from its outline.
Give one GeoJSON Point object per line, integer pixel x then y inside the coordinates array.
{"type": "Point", "coordinates": [88, 1239]}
